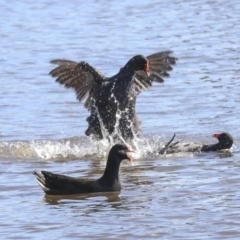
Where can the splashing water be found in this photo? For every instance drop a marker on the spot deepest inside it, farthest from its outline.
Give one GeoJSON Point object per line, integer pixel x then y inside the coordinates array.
{"type": "Point", "coordinates": [116, 135]}
{"type": "Point", "coordinates": [86, 147]}
{"type": "Point", "coordinates": [73, 148]}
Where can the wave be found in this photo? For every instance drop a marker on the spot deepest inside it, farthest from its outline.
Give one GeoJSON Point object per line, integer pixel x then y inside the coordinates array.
{"type": "Point", "coordinates": [71, 148]}
{"type": "Point", "coordinates": [80, 148]}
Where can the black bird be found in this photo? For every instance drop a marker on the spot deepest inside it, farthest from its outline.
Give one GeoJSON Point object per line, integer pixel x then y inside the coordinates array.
{"type": "Point", "coordinates": [111, 101]}
{"type": "Point", "coordinates": [225, 141]}
{"type": "Point", "coordinates": [56, 184]}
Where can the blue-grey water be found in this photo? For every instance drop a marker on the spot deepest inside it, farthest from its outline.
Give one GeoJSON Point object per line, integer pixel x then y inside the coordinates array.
{"type": "Point", "coordinates": [42, 125]}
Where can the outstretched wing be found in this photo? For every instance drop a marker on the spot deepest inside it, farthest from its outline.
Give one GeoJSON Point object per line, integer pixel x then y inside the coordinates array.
{"type": "Point", "coordinates": [159, 64]}
{"type": "Point", "coordinates": [82, 77]}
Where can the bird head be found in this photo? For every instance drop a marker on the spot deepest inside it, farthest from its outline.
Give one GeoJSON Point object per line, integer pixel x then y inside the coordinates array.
{"type": "Point", "coordinates": [225, 139]}
{"type": "Point", "coordinates": [138, 63]}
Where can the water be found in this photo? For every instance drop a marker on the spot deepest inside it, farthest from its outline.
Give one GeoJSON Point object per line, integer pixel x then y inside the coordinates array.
{"type": "Point", "coordinates": [183, 196]}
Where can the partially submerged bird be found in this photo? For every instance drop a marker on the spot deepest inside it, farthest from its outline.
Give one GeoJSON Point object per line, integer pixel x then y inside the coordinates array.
{"type": "Point", "coordinates": [225, 141]}
{"type": "Point", "coordinates": [111, 100]}
{"type": "Point", "coordinates": [56, 184]}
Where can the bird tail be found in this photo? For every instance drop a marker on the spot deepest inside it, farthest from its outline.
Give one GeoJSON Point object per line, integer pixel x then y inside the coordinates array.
{"type": "Point", "coordinates": [41, 180]}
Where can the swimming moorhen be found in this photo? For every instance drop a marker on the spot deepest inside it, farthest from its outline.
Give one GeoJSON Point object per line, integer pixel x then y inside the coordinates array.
{"type": "Point", "coordinates": [225, 141]}
{"type": "Point", "coordinates": [56, 184]}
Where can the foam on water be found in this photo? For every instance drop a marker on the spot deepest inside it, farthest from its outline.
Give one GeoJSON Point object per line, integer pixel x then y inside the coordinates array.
{"type": "Point", "coordinates": [81, 148]}
{"type": "Point", "coordinates": [71, 148]}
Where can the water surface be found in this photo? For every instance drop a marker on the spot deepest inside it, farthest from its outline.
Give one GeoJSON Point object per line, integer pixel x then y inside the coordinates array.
{"type": "Point", "coordinates": [42, 125]}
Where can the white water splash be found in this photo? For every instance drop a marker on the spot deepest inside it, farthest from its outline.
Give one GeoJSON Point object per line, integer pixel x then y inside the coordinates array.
{"type": "Point", "coordinates": [72, 148]}
{"type": "Point", "coordinates": [84, 148]}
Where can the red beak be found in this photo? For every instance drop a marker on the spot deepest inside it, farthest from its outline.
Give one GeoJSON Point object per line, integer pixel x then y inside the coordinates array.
{"type": "Point", "coordinates": [129, 158]}
{"type": "Point", "coordinates": [216, 135]}
{"type": "Point", "coordinates": [146, 69]}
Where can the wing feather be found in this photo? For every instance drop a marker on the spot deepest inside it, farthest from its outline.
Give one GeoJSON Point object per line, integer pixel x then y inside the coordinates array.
{"type": "Point", "coordinates": [82, 77]}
